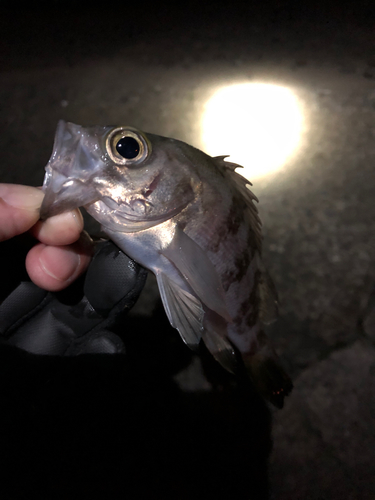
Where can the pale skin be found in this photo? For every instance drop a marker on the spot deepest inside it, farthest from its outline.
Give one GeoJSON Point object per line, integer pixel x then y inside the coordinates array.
{"type": "Point", "coordinates": [63, 250]}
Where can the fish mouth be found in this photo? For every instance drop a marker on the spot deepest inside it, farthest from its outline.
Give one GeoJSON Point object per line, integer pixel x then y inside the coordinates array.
{"type": "Point", "coordinates": [63, 194]}
{"type": "Point", "coordinates": [68, 181]}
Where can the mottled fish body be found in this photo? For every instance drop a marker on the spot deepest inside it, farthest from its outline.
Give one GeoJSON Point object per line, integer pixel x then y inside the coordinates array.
{"type": "Point", "coordinates": [191, 220]}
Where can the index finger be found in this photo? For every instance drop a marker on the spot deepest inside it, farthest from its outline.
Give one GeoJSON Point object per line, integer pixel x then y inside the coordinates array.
{"type": "Point", "coordinates": [62, 229]}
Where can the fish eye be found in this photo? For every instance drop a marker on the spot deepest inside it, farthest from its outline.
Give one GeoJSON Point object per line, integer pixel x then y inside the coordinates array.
{"type": "Point", "coordinates": [127, 146]}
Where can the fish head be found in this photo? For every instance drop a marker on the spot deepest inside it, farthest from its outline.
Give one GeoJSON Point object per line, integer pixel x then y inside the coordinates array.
{"type": "Point", "coordinates": [126, 179]}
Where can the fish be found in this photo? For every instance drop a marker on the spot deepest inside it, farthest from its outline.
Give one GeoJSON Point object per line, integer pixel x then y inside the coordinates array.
{"type": "Point", "coordinates": [191, 220]}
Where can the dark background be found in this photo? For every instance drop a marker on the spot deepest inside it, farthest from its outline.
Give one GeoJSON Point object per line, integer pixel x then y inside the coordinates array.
{"type": "Point", "coordinates": [125, 427]}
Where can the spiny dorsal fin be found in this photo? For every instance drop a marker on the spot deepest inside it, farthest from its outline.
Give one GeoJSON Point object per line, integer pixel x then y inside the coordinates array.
{"type": "Point", "coordinates": [227, 164]}
{"type": "Point", "coordinates": [241, 184]}
{"type": "Point", "coordinates": [267, 292]}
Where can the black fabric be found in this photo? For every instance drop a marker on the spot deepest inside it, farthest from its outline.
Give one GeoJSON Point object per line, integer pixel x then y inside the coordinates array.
{"type": "Point", "coordinates": [70, 323]}
{"type": "Point", "coordinates": [111, 277]}
{"type": "Point", "coordinates": [104, 424]}
{"type": "Point", "coordinates": [22, 302]}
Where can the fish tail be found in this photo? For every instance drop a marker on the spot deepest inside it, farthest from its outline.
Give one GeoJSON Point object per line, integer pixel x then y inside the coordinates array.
{"type": "Point", "coordinates": [267, 375]}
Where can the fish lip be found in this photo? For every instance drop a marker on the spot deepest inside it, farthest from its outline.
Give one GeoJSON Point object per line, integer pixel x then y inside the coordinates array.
{"type": "Point", "coordinates": [63, 194]}
{"type": "Point", "coordinates": [68, 183]}
{"type": "Point", "coordinates": [52, 206]}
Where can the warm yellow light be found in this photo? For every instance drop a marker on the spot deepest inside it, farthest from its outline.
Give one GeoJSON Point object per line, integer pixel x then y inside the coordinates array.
{"type": "Point", "coordinates": [258, 125]}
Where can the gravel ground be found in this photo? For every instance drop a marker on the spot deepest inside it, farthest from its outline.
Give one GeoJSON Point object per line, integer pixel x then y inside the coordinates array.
{"type": "Point", "coordinates": [154, 69]}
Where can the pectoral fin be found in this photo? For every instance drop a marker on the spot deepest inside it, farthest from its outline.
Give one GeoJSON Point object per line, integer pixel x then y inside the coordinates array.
{"type": "Point", "coordinates": [199, 272]}
{"type": "Point", "coordinates": [184, 310]}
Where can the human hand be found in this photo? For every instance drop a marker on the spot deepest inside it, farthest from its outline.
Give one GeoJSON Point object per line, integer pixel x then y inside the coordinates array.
{"type": "Point", "coordinates": [80, 319]}
{"type": "Point", "coordinates": [64, 250]}
{"type": "Point", "coordinates": [40, 322]}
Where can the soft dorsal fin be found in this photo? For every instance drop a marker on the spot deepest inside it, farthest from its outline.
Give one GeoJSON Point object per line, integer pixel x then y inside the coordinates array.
{"type": "Point", "coordinates": [268, 303]}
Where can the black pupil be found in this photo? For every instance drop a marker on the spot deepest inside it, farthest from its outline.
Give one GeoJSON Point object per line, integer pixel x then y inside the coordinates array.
{"type": "Point", "coordinates": [128, 148]}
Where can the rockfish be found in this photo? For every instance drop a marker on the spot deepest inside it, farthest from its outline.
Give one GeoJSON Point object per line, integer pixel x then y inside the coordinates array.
{"type": "Point", "coordinates": [191, 220]}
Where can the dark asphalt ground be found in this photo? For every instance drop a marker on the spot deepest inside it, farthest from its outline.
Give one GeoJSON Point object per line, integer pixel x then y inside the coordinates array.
{"type": "Point", "coordinates": [68, 431]}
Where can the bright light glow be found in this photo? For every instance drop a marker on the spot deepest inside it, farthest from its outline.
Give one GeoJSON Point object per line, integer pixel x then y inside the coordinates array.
{"type": "Point", "coordinates": [258, 125]}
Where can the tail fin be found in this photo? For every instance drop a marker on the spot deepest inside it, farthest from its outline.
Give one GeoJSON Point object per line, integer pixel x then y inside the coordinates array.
{"type": "Point", "coordinates": [267, 375]}
{"type": "Point", "coordinates": [262, 367]}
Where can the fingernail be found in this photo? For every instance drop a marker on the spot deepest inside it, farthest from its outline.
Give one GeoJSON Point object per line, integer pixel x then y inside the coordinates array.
{"type": "Point", "coordinates": [18, 196]}
{"type": "Point", "coordinates": [66, 217]}
{"type": "Point", "coordinates": [51, 258]}
{"type": "Point", "coordinates": [78, 218]}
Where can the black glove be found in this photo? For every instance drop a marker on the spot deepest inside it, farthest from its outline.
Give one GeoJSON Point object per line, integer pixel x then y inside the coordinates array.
{"type": "Point", "coordinates": [108, 426]}
{"type": "Point", "coordinates": [77, 320]}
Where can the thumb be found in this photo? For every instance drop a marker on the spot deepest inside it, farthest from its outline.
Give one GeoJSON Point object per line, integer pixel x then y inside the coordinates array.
{"type": "Point", "coordinates": [19, 209]}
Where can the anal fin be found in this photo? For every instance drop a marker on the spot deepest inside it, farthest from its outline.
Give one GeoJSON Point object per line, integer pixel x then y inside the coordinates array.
{"type": "Point", "coordinates": [215, 339]}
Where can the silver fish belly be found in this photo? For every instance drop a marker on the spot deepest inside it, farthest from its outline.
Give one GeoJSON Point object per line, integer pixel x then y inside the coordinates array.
{"type": "Point", "coordinates": [191, 220]}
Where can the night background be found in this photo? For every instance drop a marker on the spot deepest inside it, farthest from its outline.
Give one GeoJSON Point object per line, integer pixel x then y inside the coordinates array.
{"type": "Point", "coordinates": [162, 422]}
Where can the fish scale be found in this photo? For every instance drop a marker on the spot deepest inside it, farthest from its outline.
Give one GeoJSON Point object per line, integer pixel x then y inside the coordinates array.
{"type": "Point", "coordinates": [191, 220]}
